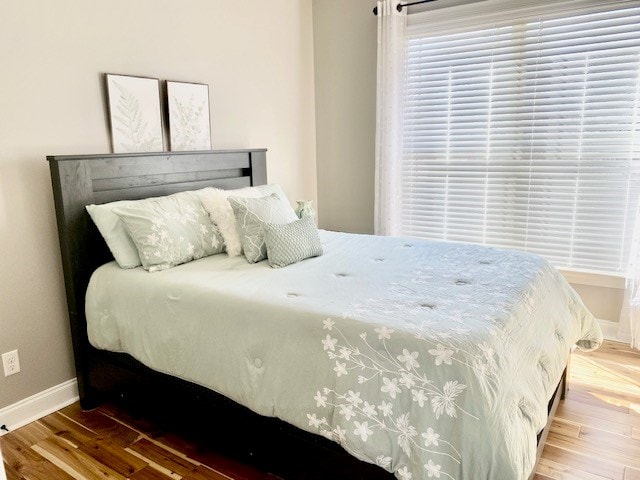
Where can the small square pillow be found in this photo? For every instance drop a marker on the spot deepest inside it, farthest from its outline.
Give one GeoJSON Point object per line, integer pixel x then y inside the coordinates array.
{"type": "Point", "coordinates": [115, 233]}
{"type": "Point", "coordinates": [216, 203]}
{"type": "Point", "coordinates": [292, 242]}
{"type": "Point", "coordinates": [251, 215]}
{"type": "Point", "coordinates": [171, 230]}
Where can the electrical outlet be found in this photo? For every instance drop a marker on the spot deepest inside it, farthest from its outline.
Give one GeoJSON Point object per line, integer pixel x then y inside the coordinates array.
{"type": "Point", "coordinates": [11, 363]}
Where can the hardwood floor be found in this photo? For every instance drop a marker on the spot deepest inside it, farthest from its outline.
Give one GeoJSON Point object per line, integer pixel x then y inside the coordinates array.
{"type": "Point", "coordinates": [595, 436]}
{"type": "Point", "coordinates": [108, 444]}
{"type": "Point", "coordinates": [596, 431]}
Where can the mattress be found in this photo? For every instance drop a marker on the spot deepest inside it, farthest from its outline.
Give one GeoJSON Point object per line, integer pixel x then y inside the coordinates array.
{"type": "Point", "coordinates": [430, 359]}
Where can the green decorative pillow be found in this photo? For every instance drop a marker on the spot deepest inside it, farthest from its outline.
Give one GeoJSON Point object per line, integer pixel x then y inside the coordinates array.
{"type": "Point", "coordinates": [115, 233]}
{"type": "Point", "coordinates": [168, 231]}
{"type": "Point", "coordinates": [251, 216]}
{"type": "Point", "coordinates": [292, 242]}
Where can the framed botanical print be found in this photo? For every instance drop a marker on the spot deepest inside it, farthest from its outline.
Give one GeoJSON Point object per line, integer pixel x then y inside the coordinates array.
{"type": "Point", "coordinates": [188, 111]}
{"type": "Point", "coordinates": [134, 113]}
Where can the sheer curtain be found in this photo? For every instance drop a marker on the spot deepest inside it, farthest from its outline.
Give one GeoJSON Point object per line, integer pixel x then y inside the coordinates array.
{"type": "Point", "coordinates": [630, 314]}
{"type": "Point", "coordinates": [390, 86]}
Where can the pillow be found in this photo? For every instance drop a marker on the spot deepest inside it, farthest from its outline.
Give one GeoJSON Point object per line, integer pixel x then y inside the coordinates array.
{"type": "Point", "coordinates": [251, 215]}
{"type": "Point", "coordinates": [216, 204]}
{"type": "Point", "coordinates": [292, 242]}
{"type": "Point", "coordinates": [168, 231]}
{"type": "Point", "coordinates": [115, 233]}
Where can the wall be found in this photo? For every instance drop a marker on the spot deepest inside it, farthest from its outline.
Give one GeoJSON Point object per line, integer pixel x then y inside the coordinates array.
{"type": "Point", "coordinates": [344, 35]}
{"type": "Point", "coordinates": [257, 58]}
{"type": "Point", "coordinates": [345, 77]}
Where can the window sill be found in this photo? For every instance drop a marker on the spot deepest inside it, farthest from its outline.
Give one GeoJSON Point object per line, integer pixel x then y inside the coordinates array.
{"type": "Point", "coordinates": [585, 277]}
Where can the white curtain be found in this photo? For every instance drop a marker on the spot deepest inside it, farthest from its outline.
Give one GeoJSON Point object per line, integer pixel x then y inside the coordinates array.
{"type": "Point", "coordinates": [630, 315]}
{"type": "Point", "coordinates": [389, 101]}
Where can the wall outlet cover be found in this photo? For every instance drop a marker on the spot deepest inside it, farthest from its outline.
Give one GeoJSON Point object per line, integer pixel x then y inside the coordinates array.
{"type": "Point", "coordinates": [11, 363]}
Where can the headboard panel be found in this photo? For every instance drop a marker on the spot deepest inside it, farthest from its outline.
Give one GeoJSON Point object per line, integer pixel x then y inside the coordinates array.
{"type": "Point", "coordinates": [80, 180]}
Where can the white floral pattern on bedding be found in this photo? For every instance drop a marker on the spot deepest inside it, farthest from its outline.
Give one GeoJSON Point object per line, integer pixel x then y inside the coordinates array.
{"type": "Point", "coordinates": [401, 377]}
{"type": "Point", "coordinates": [171, 230]}
{"type": "Point", "coordinates": [412, 388]}
{"type": "Point", "coordinates": [163, 245]}
{"type": "Point", "coordinates": [402, 381]}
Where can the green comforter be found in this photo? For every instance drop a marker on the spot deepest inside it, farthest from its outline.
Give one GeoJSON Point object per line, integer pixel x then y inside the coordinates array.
{"type": "Point", "coordinates": [432, 360]}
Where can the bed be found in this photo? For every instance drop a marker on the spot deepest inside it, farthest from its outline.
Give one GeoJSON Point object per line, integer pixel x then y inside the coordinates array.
{"type": "Point", "coordinates": [346, 348]}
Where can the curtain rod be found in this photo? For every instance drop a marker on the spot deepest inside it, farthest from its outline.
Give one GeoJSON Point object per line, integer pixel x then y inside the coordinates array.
{"type": "Point", "coordinates": [401, 5]}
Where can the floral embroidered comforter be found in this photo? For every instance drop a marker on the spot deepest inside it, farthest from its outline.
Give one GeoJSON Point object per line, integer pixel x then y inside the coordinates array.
{"type": "Point", "coordinates": [430, 359]}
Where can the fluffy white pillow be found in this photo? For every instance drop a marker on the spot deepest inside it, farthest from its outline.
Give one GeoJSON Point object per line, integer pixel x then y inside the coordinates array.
{"type": "Point", "coordinates": [216, 204]}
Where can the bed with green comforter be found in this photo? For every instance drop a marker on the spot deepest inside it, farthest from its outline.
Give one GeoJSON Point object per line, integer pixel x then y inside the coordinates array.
{"type": "Point", "coordinates": [430, 359]}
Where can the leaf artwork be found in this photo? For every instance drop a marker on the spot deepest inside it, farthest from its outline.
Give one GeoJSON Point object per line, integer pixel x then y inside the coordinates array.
{"type": "Point", "coordinates": [135, 135]}
{"type": "Point", "coordinates": [188, 124]}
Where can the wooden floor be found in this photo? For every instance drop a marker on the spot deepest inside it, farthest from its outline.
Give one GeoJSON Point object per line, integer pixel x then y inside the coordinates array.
{"type": "Point", "coordinates": [595, 436]}
{"type": "Point", "coordinates": [596, 431]}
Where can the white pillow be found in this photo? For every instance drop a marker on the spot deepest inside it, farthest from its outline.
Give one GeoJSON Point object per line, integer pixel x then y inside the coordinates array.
{"type": "Point", "coordinates": [216, 204]}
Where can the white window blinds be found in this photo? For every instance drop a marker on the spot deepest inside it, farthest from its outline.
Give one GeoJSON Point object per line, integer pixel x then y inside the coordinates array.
{"type": "Point", "coordinates": [524, 135]}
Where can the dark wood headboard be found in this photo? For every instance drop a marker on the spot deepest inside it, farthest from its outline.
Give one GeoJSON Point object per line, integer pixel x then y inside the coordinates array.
{"type": "Point", "coordinates": [80, 180]}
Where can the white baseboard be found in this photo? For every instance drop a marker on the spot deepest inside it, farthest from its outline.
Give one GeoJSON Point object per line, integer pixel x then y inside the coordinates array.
{"type": "Point", "coordinates": [37, 406]}
{"type": "Point", "coordinates": [610, 331]}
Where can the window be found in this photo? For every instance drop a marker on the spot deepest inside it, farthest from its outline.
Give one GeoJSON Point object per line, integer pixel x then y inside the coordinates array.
{"type": "Point", "coordinates": [524, 133]}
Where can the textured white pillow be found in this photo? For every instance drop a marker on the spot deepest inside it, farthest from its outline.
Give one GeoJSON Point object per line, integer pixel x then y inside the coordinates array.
{"type": "Point", "coordinates": [216, 204]}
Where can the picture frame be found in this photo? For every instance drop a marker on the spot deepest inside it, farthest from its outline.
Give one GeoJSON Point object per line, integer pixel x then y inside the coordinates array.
{"type": "Point", "coordinates": [188, 116]}
{"type": "Point", "coordinates": [134, 110]}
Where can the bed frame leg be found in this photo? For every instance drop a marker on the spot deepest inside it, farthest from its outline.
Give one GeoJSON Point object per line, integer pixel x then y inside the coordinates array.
{"type": "Point", "coordinates": [90, 399]}
{"type": "Point", "coordinates": [89, 403]}
{"type": "Point", "coordinates": [565, 378]}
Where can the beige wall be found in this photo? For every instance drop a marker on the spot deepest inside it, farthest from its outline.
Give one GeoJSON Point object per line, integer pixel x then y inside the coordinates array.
{"type": "Point", "coordinates": [257, 58]}
{"type": "Point", "coordinates": [344, 33]}
{"type": "Point", "coordinates": [604, 302]}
